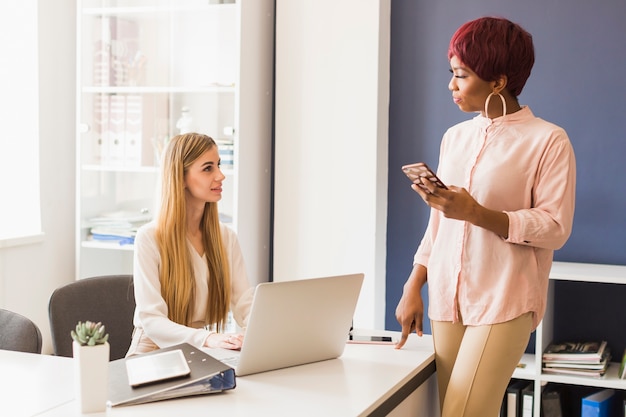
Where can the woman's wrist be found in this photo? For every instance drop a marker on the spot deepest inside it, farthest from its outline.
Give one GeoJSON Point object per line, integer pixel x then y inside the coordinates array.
{"type": "Point", "coordinates": [207, 343]}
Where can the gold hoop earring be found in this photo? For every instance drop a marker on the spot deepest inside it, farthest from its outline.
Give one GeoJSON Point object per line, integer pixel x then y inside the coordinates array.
{"type": "Point", "coordinates": [487, 104]}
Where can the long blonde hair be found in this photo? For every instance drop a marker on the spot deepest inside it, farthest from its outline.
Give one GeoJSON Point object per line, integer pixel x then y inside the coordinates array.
{"type": "Point", "coordinates": [176, 272]}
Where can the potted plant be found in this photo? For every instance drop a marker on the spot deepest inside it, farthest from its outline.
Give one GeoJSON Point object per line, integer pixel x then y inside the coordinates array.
{"type": "Point", "coordinates": [90, 347]}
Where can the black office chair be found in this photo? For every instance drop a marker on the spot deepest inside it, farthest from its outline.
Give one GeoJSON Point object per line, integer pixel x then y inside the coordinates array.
{"type": "Point", "coordinates": [19, 333]}
{"type": "Point", "coordinates": [109, 299]}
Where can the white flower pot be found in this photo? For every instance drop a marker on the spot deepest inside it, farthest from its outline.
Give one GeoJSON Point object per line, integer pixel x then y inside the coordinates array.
{"type": "Point", "coordinates": [91, 376]}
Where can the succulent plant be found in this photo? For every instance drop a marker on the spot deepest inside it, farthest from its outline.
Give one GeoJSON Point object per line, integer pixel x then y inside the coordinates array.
{"type": "Point", "coordinates": [89, 334]}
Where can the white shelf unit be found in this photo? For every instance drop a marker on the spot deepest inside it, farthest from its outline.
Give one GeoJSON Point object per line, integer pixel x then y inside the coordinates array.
{"type": "Point", "coordinates": [142, 61]}
{"type": "Point", "coordinates": [569, 271]}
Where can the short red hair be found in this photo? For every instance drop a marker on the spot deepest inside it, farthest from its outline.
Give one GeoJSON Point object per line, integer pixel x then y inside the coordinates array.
{"type": "Point", "coordinates": [491, 47]}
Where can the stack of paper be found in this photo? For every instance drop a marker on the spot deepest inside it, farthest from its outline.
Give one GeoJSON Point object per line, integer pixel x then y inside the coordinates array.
{"type": "Point", "coordinates": [120, 226]}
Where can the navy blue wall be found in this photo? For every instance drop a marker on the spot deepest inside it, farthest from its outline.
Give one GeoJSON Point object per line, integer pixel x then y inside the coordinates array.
{"type": "Point", "coordinates": [578, 82]}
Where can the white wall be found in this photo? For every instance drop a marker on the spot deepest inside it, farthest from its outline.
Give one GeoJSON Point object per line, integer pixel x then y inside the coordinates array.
{"type": "Point", "coordinates": [29, 273]}
{"type": "Point", "coordinates": [331, 123]}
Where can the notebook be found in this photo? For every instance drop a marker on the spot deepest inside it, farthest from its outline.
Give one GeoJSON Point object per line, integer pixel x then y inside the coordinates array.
{"type": "Point", "coordinates": [294, 323]}
{"type": "Point", "coordinates": [206, 375]}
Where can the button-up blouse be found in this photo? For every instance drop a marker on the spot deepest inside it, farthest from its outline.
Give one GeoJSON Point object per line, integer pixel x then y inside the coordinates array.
{"type": "Point", "coordinates": [525, 167]}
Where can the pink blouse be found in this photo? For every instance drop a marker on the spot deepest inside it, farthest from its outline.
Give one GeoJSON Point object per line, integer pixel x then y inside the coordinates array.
{"type": "Point", "coordinates": [525, 167]}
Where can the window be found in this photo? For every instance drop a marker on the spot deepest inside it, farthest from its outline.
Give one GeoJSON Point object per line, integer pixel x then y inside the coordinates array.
{"type": "Point", "coordinates": [20, 216]}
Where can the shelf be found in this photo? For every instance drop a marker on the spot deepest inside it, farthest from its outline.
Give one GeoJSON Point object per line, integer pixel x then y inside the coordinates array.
{"type": "Point", "coordinates": [104, 89]}
{"type": "Point", "coordinates": [140, 10]}
{"type": "Point", "coordinates": [609, 380]}
{"type": "Point", "coordinates": [97, 244]}
{"type": "Point", "coordinates": [571, 271]}
{"type": "Point", "coordinates": [112, 168]}
{"type": "Point", "coordinates": [528, 371]}
{"type": "Point", "coordinates": [148, 170]}
{"type": "Point", "coordinates": [133, 81]}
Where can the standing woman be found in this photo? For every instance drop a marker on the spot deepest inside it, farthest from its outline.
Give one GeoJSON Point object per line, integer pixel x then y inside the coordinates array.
{"type": "Point", "coordinates": [188, 267]}
{"type": "Point", "coordinates": [488, 247]}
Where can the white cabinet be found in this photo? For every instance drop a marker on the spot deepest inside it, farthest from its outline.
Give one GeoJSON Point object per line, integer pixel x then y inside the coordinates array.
{"type": "Point", "coordinates": [570, 271]}
{"type": "Point", "coordinates": [141, 66]}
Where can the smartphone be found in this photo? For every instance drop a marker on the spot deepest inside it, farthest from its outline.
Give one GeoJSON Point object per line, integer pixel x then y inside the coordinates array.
{"type": "Point", "coordinates": [371, 339]}
{"type": "Point", "coordinates": [420, 170]}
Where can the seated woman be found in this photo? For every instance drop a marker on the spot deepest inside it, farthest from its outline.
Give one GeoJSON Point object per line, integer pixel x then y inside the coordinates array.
{"type": "Point", "coordinates": [189, 271]}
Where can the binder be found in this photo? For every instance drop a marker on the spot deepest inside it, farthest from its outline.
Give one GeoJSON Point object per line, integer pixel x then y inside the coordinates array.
{"type": "Point", "coordinates": [514, 398]}
{"type": "Point", "coordinates": [99, 137]}
{"type": "Point", "coordinates": [528, 397]}
{"type": "Point", "coordinates": [115, 133]}
{"type": "Point", "coordinates": [133, 130]}
{"type": "Point", "coordinates": [208, 375]}
{"type": "Point", "coordinates": [598, 404]}
{"type": "Point", "coordinates": [551, 403]}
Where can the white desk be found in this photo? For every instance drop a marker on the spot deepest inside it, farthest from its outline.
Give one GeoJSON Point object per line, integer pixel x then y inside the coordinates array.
{"type": "Point", "coordinates": [31, 383]}
{"type": "Point", "coordinates": [367, 380]}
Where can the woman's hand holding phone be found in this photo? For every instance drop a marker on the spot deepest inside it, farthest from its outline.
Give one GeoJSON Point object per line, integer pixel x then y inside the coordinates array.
{"type": "Point", "coordinates": [416, 172]}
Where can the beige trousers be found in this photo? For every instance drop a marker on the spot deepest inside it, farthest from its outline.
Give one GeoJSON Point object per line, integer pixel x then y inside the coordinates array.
{"type": "Point", "coordinates": [475, 364]}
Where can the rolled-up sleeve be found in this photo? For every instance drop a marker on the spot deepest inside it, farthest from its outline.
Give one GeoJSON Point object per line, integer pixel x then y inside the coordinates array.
{"type": "Point", "coordinates": [548, 223]}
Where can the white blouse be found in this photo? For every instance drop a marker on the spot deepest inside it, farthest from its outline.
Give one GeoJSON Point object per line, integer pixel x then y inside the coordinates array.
{"type": "Point", "coordinates": [151, 318]}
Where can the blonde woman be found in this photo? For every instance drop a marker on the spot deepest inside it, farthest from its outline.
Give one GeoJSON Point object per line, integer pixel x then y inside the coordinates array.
{"type": "Point", "coordinates": [188, 267]}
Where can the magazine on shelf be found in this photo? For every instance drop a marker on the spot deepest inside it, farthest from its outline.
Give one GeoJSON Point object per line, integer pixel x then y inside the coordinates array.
{"type": "Point", "coordinates": [578, 365]}
{"type": "Point", "coordinates": [593, 373]}
{"type": "Point", "coordinates": [589, 359]}
{"type": "Point", "coordinates": [576, 351]}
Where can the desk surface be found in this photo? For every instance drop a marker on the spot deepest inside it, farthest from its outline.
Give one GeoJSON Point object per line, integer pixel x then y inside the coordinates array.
{"type": "Point", "coordinates": [367, 380]}
{"type": "Point", "coordinates": [31, 383]}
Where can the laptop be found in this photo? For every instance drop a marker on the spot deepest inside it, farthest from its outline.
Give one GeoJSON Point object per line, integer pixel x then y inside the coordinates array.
{"type": "Point", "coordinates": [294, 323]}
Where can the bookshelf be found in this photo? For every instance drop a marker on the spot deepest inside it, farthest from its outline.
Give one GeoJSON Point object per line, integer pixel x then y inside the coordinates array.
{"type": "Point", "coordinates": [580, 272]}
{"type": "Point", "coordinates": [139, 63]}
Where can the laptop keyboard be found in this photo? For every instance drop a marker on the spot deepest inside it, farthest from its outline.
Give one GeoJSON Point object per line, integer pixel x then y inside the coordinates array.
{"type": "Point", "coordinates": [231, 361]}
{"type": "Point", "coordinates": [229, 357]}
